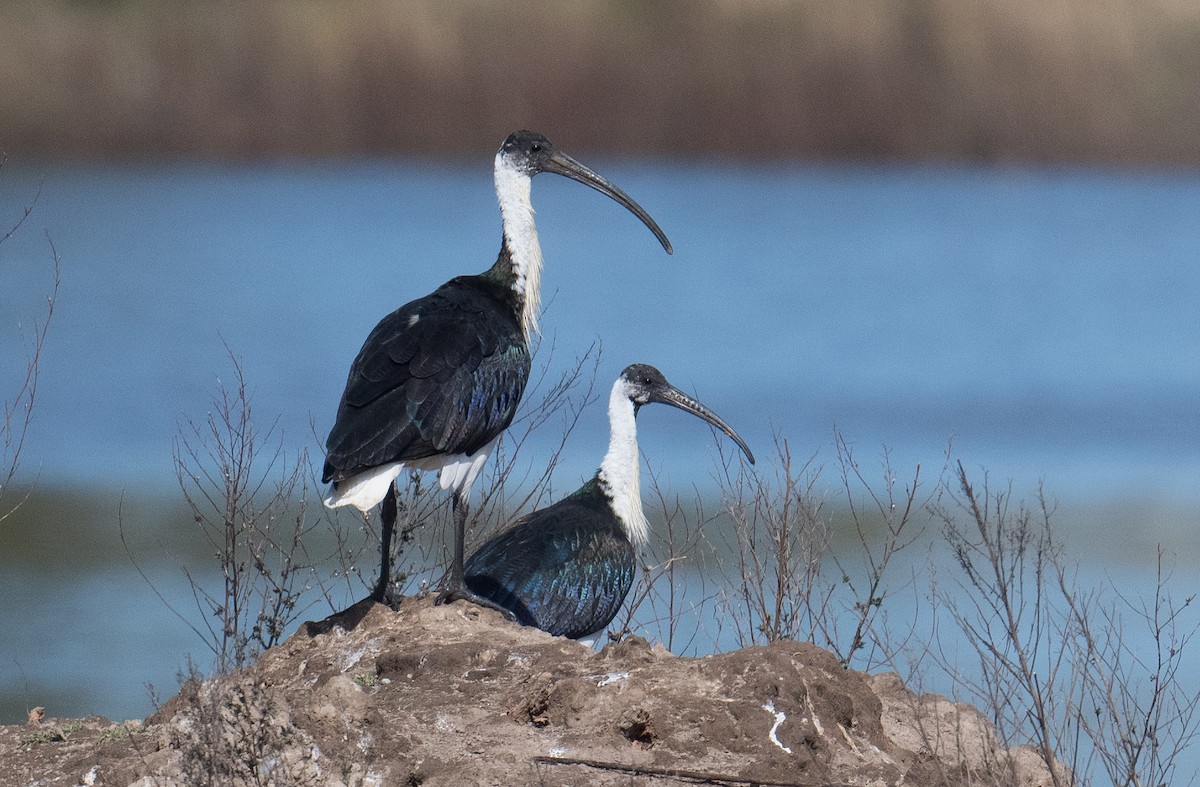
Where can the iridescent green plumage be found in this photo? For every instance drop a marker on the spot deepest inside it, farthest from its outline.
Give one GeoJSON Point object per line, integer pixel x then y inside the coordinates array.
{"type": "Point", "coordinates": [565, 569]}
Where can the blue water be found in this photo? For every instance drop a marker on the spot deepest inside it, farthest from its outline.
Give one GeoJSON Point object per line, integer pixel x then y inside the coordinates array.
{"type": "Point", "coordinates": [1047, 322]}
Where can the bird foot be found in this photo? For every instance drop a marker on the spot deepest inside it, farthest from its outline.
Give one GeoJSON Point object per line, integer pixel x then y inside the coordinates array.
{"type": "Point", "coordinates": [451, 594]}
{"type": "Point", "coordinates": [384, 594]}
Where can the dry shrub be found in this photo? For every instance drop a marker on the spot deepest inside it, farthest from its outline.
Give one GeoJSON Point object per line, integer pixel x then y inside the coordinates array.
{"type": "Point", "coordinates": [1057, 664]}
{"type": "Point", "coordinates": [783, 553]}
{"type": "Point", "coordinates": [249, 502]}
{"type": "Point", "coordinates": [233, 731]}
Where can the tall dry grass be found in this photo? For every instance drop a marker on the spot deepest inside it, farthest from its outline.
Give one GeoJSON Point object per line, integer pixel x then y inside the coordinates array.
{"type": "Point", "coordinates": [1074, 80]}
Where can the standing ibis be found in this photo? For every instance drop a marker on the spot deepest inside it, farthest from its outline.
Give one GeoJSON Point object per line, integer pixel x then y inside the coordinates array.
{"type": "Point", "coordinates": [568, 567]}
{"type": "Point", "coordinates": [440, 378]}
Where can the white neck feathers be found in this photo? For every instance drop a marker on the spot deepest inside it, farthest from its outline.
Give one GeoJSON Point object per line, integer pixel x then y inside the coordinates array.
{"type": "Point", "coordinates": [619, 472]}
{"type": "Point", "coordinates": [520, 235]}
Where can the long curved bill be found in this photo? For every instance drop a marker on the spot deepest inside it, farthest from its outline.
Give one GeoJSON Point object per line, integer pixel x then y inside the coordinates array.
{"type": "Point", "coordinates": [677, 398]}
{"type": "Point", "coordinates": [561, 164]}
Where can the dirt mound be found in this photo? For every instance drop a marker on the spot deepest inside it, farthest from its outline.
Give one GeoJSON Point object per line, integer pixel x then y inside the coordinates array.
{"type": "Point", "coordinates": [454, 695]}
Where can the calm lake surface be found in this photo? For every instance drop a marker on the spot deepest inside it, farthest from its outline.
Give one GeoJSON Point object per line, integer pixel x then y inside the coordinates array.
{"type": "Point", "coordinates": [1047, 322]}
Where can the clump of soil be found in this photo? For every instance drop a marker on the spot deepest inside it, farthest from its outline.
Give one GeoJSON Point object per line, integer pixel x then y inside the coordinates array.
{"type": "Point", "coordinates": [455, 695]}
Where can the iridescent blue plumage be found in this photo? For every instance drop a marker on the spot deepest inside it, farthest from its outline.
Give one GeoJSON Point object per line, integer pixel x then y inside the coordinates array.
{"type": "Point", "coordinates": [567, 568]}
{"type": "Point", "coordinates": [440, 375]}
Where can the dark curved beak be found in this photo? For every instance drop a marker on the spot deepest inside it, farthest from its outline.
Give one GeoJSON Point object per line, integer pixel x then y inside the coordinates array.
{"type": "Point", "coordinates": [561, 164]}
{"type": "Point", "coordinates": [677, 398]}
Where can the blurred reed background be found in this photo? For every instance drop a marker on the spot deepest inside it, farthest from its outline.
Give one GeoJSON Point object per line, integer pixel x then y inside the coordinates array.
{"type": "Point", "coordinates": [1031, 80]}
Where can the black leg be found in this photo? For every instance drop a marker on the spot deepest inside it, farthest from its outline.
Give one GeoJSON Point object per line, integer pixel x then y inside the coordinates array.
{"type": "Point", "coordinates": [455, 586]}
{"type": "Point", "coordinates": [387, 515]}
{"type": "Point", "coordinates": [460, 507]}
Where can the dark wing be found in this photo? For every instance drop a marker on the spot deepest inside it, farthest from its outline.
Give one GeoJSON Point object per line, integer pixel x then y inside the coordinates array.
{"type": "Point", "coordinates": [565, 569]}
{"type": "Point", "coordinates": [443, 374]}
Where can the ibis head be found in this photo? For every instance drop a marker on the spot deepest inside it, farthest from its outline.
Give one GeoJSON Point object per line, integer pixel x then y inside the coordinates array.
{"type": "Point", "coordinates": [644, 384]}
{"type": "Point", "coordinates": [530, 153]}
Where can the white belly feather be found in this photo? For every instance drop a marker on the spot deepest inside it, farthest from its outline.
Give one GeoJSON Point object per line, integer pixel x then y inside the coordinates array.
{"type": "Point", "coordinates": [367, 490]}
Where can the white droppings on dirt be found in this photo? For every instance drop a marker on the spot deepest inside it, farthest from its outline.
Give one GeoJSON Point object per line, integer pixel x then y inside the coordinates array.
{"type": "Point", "coordinates": [352, 658]}
{"type": "Point", "coordinates": [780, 718]}
{"type": "Point", "coordinates": [812, 711]}
{"type": "Point", "coordinates": [607, 678]}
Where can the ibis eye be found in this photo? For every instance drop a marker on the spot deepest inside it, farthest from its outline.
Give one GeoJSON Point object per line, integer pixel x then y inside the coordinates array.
{"type": "Point", "coordinates": [536, 147]}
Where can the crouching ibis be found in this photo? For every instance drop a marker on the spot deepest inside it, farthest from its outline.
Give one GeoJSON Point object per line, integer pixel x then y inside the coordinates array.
{"type": "Point", "coordinates": [567, 568]}
{"type": "Point", "coordinates": [440, 378]}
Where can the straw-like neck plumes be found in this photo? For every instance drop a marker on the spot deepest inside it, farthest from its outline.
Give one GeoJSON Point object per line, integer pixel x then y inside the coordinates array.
{"type": "Point", "coordinates": [619, 472]}
{"type": "Point", "coordinates": [520, 238]}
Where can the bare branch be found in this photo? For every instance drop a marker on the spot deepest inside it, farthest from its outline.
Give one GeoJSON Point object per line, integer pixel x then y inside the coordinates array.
{"type": "Point", "coordinates": [16, 412]}
{"type": "Point", "coordinates": [249, 502]}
